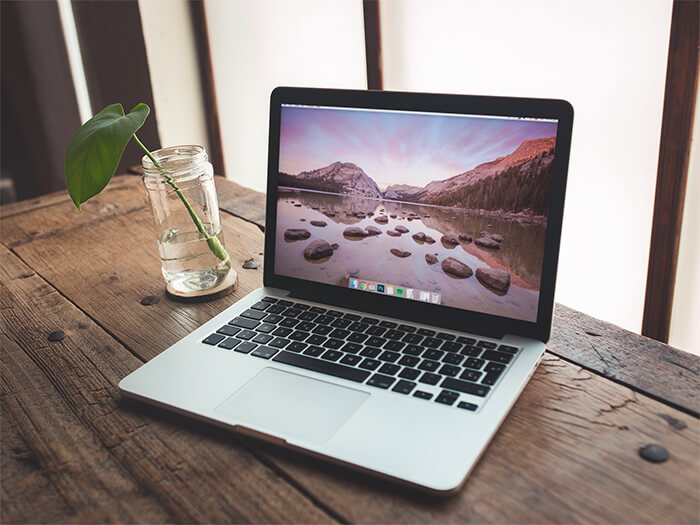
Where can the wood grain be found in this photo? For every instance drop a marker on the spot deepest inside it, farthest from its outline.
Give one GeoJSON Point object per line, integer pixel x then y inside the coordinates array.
{"type": "Point", "coordinates": [567, 453]}
{"type": "Point", "coordinates": [192, 471]}
{"type": "Point", "coordinates": [656, 369]}
{"type": "Point", "coordinates": [241, 201]}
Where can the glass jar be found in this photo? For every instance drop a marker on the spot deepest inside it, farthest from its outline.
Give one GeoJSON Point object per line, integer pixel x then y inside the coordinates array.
{"type": "Point", "coordinates": [180, 185]}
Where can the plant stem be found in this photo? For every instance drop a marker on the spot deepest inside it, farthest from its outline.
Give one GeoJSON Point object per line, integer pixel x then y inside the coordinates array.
{"type": "Point", "coordinates": [212, 241]}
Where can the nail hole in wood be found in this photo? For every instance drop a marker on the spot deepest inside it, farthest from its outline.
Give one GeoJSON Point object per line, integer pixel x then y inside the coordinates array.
{"type": "Point", "coordinates": [654, 453]}
{"type": "Point", "coordinates": [150, 300]}
{"type": "Point", "coordinates": [56, 336]}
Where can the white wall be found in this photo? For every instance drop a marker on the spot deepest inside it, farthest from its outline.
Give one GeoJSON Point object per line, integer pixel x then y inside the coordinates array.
{"type": "Point", "coordinates": [175, 78]}
{"type": "Point", "coordinates": [608, 58]}
{"type": "Point", "coordinates": [685, 320]}
{"type": "Point", "coordinates": [258, 45]}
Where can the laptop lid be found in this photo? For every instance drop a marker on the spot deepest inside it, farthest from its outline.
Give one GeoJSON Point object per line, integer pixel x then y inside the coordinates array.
{"type": "Point", "coordinates": [439, 209]}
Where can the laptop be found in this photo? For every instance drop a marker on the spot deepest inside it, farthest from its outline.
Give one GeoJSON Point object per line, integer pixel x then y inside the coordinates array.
{"type": "Point", "coordinates": [411, 249]}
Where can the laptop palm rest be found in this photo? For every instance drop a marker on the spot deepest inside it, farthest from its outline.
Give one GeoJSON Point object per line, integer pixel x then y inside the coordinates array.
{"type": "Point", "coordinates": [292, 406]}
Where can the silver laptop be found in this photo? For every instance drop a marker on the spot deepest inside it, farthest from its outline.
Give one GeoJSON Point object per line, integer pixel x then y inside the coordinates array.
{"type": "Point", "coordinates": [411, 248]}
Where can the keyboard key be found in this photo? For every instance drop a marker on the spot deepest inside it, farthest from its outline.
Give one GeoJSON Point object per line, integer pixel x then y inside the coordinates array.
{"type": "Point", "coordinates": [334, 313]}
{"type": "Point", "coordinates": [394, 345]}
{"type": "Point", "coordinates": [324, 367]}
{"type": "Point", "coordinates": [228, 330]}
{"type": "Point", "coordinates": [341, 323]}
{"type": "Point", "coordinates": [422, 395]}
{"type": "Point", "coordinates": [229, 343]}
{"type": "Point", "coordinates": [284, 302]}
{"type": "Point", "coordinates": [370, 364]}
{"type": "Point", "coordinates": [273, 318]}
{"type": "Point", "coordinates": [464, 386]}
{"type": "Point", "coordinates": [298, 335]}
{"type": "Point", "coordinates": [376, 330]}
{"type": "Point", "coordinates": [265, 328]}
{"type": "Point", "coordinates": [474, 363]}
{"type": "Point", "coordinates": [276, 309]}
{"type": "Point", "coordinates": [279, 342]}
{"type": "Point", "coordinates": [409, 360]}
{"type": "Point", "coordinates": [314, 351]}
{"type": "Point", "coordinates": [324, 319]}
{"type": "Point", "coordinates": [317, 310]}
{"type": "Point", "coordinates": [507, 348]}
{"type": "Point", "coordinates": [369, 320]}
{"type": "Point", "coordinates": [245, 334]}
{"type": "Point", "coordinates": [407, 328]}
{"type": "Point", "coordinates": [389, 369]}
{"type": "Point", "coordinates": [245, 347]}
{"type": "Point", "coordinates": [491, 366]}
{"type": "Point", "coordinates": [334, 344]}
{"type": "Point", "coordinates": [387, 324]}
{"type": "Point", "coordinates": [453, 359]}
{"type": "Point", "coordinates": [296, 346]}
{"type": "Point", "coordinates": [429, 365]}
{"type": "Point", "coordinates": [351, 317]}
{"type": "Point", "coordinates": [451, 346]}
{"type": "Point", "coordinates": [431, 342]}
{"type": "Point", "coordinates": [466, 340]}
{"type": "Point", "coordinates": [306, 326]}
{"type": "Point", "coordinates": [292, 312]}
{"type": "Point", "coordinates": [261, 305]}
{"type": "Point", "coordinates": [426, 332]}
{"type": "Point", "coordinates": [262, 338]}
{"type": "Point", "coordinates": [351, 360]}
{"type": "Point", "coordinates": [433, 354]}
{"type": "Point", "coordinates": [375, 341]}
{"type": "Point", "coordinates": [388, 356]}
{"type": "Point", "coordinates": [244, 323]}
{"type": "Point", "coordinates": [449, 370]}
{"type": "Point", "coordinates": [370, 352]}
{"type": "Point", "coordinates": [471, 351]}
{"type": "Point", "coordinates": [380, 381]}
{"type": "Point", "coordinates": [316, 340]}
{"type": "Point", "coordinates": [339, 334]}
{"type": "Point", "coordinates": [282, 331]}
{"type": "Point", "coordinates": [264, 351]}
{"type": "Point", "coordinates": [404, 387]}
{"type": "Point", "coordinates": [412, 338]}
{"type": "Point", "coordinates": [489, 379]}
{"type": "Point", "coordinates": [471, 375]}
{"type": "Point", "coordinates": [486, 344]}
{"type": "Point", "coordinates": [301, 306]}
{"type": "Point", "coordinates": [269, 299]}
{"type": "Point", "coordinates": [357, 337]}
{"type": "Point", "coordinates": [429, 379]}
{"type": "Point", "coordinates": [394, 334]}
{"type": "Point", "coordinates": [446, 397]}
{"type": "Point", "coordinates": [332, 355]}
{"type": "Point", "coordinates": [409, 373]}
{"type": "Point", "coordinates": [289, 322]}
{"type": "Point", "coordinates": [351, 348]}
{"type": "Point", "coordinates": [467, 406]}
{"type": "Point", "coordinates": [445, 336]}
{"type": "Point", "coordinates": [358, 327]}
{"type": "Point", "coordinates": [322, 329]}
{"type": "Point", "coordinates": [499, 357]}
{"type": "Point", "coordinates": [413, 350]}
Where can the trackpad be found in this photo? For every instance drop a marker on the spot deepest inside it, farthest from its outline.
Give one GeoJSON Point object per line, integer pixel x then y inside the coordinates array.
{"type": "Point", "coordinates": [291, 406]}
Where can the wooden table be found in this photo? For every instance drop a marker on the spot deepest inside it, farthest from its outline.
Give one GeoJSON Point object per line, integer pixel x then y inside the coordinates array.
{"type": "Point", "coordinates": [73, 450]}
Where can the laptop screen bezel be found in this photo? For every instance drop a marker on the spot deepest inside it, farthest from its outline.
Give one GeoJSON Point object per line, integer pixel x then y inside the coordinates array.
{"type": "Point", "coordinates": [432, 314]}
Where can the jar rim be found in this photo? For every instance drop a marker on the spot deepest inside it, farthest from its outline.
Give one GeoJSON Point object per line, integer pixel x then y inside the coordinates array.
{"type": "Point", "coordinates": [175, 158]}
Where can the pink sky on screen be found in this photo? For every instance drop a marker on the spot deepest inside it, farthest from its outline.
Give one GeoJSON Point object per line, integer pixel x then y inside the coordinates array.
{"type": "Point", "coordinates": [399, 148]}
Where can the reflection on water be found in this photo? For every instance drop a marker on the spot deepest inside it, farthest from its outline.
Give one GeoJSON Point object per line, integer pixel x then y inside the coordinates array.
{"type": "Point", "coordinates": [370, 258]}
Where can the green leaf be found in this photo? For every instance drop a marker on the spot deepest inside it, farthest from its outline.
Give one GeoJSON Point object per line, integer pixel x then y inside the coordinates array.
{"type": "Point", "coordinates": [95, 150]}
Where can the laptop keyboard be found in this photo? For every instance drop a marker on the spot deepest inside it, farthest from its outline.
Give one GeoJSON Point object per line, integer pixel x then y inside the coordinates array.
{"type": "Point", "coordinates": [410, 360]}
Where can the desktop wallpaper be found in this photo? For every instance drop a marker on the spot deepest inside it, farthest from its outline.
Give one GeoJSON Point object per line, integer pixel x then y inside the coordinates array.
{"type": "Point", "coordinates": [447, 209]}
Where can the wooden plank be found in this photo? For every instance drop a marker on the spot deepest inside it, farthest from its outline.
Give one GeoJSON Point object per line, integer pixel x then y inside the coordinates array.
{"type": "Point", "coordinates": [122, 266]}
{"type": "Point", "coordinates": [66, 465]}
{"type": "Point", "coordinates": [643, 364]}
{"type": "Point", "coordinates": [241, 201]}
{"type": "Point", "coordinates": [195, 472]}
{"type": "Point", "coordinates": [568, 452]}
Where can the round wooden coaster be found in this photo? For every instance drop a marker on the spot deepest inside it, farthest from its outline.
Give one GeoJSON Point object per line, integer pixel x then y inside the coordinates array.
{"type": "Point", "coordinates": [226, 287]}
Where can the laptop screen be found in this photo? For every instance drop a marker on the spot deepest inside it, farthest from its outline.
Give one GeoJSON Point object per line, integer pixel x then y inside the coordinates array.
{"type": "Point", "coordinates": [442, 208]}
